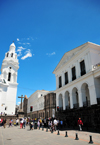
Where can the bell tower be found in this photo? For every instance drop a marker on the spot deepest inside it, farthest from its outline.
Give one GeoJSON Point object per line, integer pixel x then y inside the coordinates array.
{"type": "Point", "coordinates": [9, 69]}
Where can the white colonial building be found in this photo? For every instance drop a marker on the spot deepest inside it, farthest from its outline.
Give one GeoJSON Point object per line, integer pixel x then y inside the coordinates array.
{"type": "Point", "coordinates": [78, 77]}
{"type": "Point", "coordinates": [8, 82]}
{"type": "Point", "coordinates": [36, 100]}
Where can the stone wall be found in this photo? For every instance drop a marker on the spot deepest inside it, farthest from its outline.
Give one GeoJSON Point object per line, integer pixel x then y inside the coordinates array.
{"type": "Point", "coordinates": [89, 115]}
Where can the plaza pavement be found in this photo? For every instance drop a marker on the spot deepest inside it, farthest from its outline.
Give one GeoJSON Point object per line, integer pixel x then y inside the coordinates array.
{"type": "Point", "coordinates": [17, 136]}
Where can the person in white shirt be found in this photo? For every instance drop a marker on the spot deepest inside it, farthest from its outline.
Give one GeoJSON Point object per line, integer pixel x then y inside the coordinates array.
{"type": "Point", "coordinates": [55, 123]}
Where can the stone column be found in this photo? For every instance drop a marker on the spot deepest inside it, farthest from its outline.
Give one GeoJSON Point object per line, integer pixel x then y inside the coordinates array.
{"type": "Point", "coordinates": [92, 93]}
{"type": "Point", "coordinates": [63, 101]}
{"type": "Point", "coordinates": [63, 79]}
{"type": "Point", "coordinates": [80, 98]}
{"type": "Point", "coordinates": [89, 61]}
{"type": "Point", "coordinates": [57, 101]}
{"type": "Point", "coordinates": [71, 100]}
{"type": "Point", "coordinates": [86, 63]}
{"type": "Point", "coordinates": [57, 82]}
{"type": "Point", "coordinates": [69, 75]}
{"type": "Point", "coordinates": [77, 69]}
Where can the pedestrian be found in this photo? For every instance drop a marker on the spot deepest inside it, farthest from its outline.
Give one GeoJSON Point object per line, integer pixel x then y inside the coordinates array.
{"type": "Point", "coordinates": [38, 124]}
{"type": "Point", "coordinates": [21, 123]}
{"type": "Point", "coordinates": [24, 122]}
{"type": "Point", "coordinates": [4, 123]}
{"type": "Point", "coordinates": [80, 123]}
{"type": "Point", "coordinates": [50, 124]}
{"type": "Point", "coordinates": [31, 124]}
{"type": "Point", "coordinates": [61, 124]}
{"type": "Point", "coordinates": [55, 124]}
{"type": "Point", "coordinates": [1, 120]}
{"type": "Point", "coordinates": [9, 122]}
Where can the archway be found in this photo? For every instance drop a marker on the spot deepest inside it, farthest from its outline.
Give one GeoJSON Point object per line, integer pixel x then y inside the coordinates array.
{"type": "Point", "coordinates": [67, 100]}
{"type": "Point", "coordinates": [75, 97]}
{"type": "Point", "coordinates": [85, 95]}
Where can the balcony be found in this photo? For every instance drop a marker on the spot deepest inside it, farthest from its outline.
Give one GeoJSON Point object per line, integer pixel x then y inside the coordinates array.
{"type": "Point", "coordinates": [76, 106]}
{"type": "Point", "coordinates": [98, 101]}
{"type": "Point", "coordinates": [86, 103]}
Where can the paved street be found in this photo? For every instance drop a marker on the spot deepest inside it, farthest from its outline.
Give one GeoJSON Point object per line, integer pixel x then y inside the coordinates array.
{"type": "Point", "coordinates": [16, 136]}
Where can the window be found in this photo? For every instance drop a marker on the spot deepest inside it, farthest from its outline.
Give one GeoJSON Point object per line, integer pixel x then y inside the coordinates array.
{"type": "Point", "coordinates": [66, 78]}
{"type": "Point", "coordinates": [11, 54]}
{"type": "Point", "coordinates": [73, 73]}
{"type": "Point", "coordinates": [7, 54]}
{"type": "Point", "coordinates": [9, 76]}
{"type": "Point", "coordinates": [82, 67]}
{"type": "Point", "coordinates": [60, 84]}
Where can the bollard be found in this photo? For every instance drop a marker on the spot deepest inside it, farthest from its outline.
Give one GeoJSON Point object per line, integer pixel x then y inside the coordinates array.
{"type": "Point", "coordinates": [66, 134]}
{"type": "Point", "coordinates": [39, 127]}
{"type": "Point", "coordinates": [58, 133]}
{"type": "Point", "coordinates": [42, 129]}
{"type": "Point", "coordinates": [91, 139]}
{"type": "Point", "coordinates": [47, 130]}
{"type": "Point", "coordinates": [51, 130]}
{"type": "Point", "coordinates": [76, 137]}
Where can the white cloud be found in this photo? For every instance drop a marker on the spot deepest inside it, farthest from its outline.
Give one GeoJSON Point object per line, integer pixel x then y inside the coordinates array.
{"type": "Point", "coordinates": [28, 43]}
{"type": "Point", "coordinates": [24, 43]}
{"type": "Point", "coordinates": [28, 38]}
{"type": "Point", "coordinates": [50, 54]}
{"type": "Point", "coordinates": [17, 39]}
{"type": "Point", "coordinates": [20, 48]}
{"type": "Point", "coordinates": [28, 54]}
{"type": "Point", "coordinates": [19, 54]}
{"type": "Point", "coordinates": [19, 102]}
{"type": "Point", "coordinates": [19, 42]}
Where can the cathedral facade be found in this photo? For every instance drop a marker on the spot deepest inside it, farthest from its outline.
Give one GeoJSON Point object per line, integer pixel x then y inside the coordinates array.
{"type": "Point", "coordinates": [8, 82]}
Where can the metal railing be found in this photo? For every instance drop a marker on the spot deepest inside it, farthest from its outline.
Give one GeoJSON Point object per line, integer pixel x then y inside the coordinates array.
{"type": "Point", "coordinates": [75, 106]}
{"type": "Point", "coordinates": [67, 107]}
{"type": "Point", "coordinates": [86, 103]}
{"type": "Point", "coordinates": [60, 108]}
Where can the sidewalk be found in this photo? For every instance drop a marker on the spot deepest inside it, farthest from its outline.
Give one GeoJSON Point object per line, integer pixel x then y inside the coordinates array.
{"type": "Point", "coordinates": [16, 136]}
{"type": "Point", "coordinates": [83, 135]}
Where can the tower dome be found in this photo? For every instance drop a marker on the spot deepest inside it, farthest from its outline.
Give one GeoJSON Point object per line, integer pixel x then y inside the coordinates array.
{"type": "Point", "coordinates": [12, 47]}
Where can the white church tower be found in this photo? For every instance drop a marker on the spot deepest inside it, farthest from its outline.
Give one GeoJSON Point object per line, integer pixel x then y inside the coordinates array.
{"type": "Point", "coordinates": [8, 82]}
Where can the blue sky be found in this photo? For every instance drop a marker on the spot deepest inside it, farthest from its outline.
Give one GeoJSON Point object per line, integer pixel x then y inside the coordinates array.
{"type": "Point", "coordinates": [43, 30]}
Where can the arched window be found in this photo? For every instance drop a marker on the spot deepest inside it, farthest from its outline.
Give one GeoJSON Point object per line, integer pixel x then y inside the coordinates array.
{"type": "Point", "coordinates": [9, 76]}
{"type": "Point", "coordinates": [11, 54]}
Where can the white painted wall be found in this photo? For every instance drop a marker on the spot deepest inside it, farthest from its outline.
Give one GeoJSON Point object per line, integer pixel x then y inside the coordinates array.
{"type": "Point", "coordinates": [90, 53]}
{"type": "Point", "coordinates": [36, 100]}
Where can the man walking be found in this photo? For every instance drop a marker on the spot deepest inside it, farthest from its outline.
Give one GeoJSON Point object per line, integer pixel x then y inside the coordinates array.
{"type": "Point", "coordinates": [55, 124]}
{"type": "Point", "coordinates": [80, 123]}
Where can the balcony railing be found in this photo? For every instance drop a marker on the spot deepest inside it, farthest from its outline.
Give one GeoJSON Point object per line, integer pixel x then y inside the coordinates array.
{"type": "Point", "coordinates": [98, 100]}
{"type": "Point", "coordinates": [86, 103]}
{"type": "Point", "coordinates": [75, 106]}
